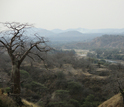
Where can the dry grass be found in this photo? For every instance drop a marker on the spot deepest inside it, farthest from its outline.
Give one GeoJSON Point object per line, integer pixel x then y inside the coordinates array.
{"type": "Point", "coordinates": [115, 101]}
{"type": "Point", "coordinates": [102, 69]}
{"type": "Point", "coordinates": [29, 104]}
{"type": "Point", "coordinates": [8, 102]}
{"type": "Point", "coordinates": [67, 68]}
{"type": "Point", "coordinates": [94, 76]}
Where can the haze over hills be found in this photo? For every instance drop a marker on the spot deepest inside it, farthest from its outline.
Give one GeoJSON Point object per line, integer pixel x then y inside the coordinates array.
{"type": "Point", "coordinates": [71, 35]}
{"type": "Point", "coordinates": [83, 30]}
{"type": "Point", "coordinates": [98, 38]}
{"type": "Point", "coordinates": [40, 31]}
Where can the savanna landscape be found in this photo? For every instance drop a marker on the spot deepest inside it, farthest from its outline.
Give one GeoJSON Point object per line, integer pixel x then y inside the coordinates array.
{"type": "Point", "coordinates": [61, 53]}
{"type": "Point", "coordinates": [87, 74]}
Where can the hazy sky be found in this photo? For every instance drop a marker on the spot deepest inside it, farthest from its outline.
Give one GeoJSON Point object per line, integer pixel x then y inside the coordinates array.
{"type": "Point", "coordinates": [64, 14]}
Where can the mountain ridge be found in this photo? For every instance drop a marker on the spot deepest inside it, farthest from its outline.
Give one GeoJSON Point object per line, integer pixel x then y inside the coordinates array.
{"type": "Point", "coordinates": [84, 30]}
{"type": "Point", "coordinates": [72, 35]}
{"type": "Point", "coordinates": [78, 34]}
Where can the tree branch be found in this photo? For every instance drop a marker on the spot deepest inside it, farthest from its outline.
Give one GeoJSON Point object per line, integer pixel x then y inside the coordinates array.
{"type": "Point", "coordinates": [31, 57]}
{"type": "Point", "coordinates": [26, 53]}
{"type": "Point", "coordinates": [4, 44]}
{"type": "Point", "coordinates": [41, 59]}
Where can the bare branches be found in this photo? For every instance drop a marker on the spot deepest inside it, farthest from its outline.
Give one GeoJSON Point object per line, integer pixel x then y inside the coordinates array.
{"type": "Point", "coordinates": [3, 44]}
{"type": "Point", "coordinates": [19, 46]}
{"type": "Point", "coordinates": [16, 25]}
{"type": "Point", "coordinates": [43, 59]}
{"type": "Point", "coordinates": [26, 53]}
{"type": "Point", "coordinates": [13, 38]}
{"type": "Point", "coordinates": [5, 40]}
{"type": "Point", "coordinates": [31, 57]}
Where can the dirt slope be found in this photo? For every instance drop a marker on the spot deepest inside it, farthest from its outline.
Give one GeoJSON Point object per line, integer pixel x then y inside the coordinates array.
{"type": "Point", "coordinates": [115, 101]}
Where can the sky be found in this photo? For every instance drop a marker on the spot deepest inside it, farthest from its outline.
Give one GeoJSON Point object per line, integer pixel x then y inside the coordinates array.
{"type": "Point", "coordinates": [64, 14]}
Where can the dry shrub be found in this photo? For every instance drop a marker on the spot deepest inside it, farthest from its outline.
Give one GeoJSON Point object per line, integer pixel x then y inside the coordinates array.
{"type": "Point", "coordinates": [7, 101]}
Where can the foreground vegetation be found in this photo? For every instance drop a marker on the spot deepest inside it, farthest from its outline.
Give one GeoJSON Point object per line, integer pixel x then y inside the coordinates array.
{"type": "Point", "coordinates": [66, 80]}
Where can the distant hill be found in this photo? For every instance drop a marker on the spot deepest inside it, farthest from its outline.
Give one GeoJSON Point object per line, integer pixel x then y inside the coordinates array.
{"type": "Point", "coordinates": [88, 39]}
{"type": "Point", "coordinates": [62, 36]}
{"type": "Point", "coordinates": [108, 41]}
{"type": "Point", "coordinates": [75, 35]}
{"type": "Point", "coordinates": [71, 36]}
{"type": "Point", "coordinates": [67, 36]}
{"type": "Point", "coordinates": [115, 101]}
{"type": "Point", "coordinates": [105, 41]}
{"type": "Point", "coordinates": [57, 30]}
{"type": "Point", "coordinates": [39, 31]}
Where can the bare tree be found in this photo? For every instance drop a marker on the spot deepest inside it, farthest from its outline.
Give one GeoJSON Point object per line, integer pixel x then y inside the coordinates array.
{"type": "Point", "coordinates": [19, 46]}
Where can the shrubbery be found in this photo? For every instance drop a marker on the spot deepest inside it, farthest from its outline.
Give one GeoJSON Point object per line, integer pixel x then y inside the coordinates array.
{"type": "Point", "coordinates": [6, 102]}
{"type": "Point", "coordinates": [60, 75]}
{"type": "Point", "coordinates": [38, 87]}
{"type": "Point", "coordinates": [62, 94]}
{"type": "Point", "coordinates": [74, 102]}
{"type": "Point", "coordinates": [74, 87]}
{"type": "Point", "coordinates": [7, 89]}
{"type": "Point", "coordinates": [59, 104]}
{"type": "Point", "coordinates": [90, 101]}
{"type": "Point", "coordinates": [24, 74]}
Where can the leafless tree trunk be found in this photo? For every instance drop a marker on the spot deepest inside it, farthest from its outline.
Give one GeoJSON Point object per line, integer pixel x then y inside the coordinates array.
{"type": "Point", "coordinates": [18, 47]}
{"type": "Point", "coordinates": [15, 76]}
